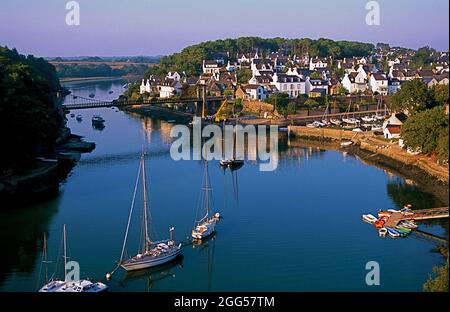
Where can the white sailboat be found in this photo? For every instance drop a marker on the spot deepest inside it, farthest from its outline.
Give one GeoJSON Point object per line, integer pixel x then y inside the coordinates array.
{"type": "Point", "coordinates": [234, 162]}
{"type": "Point", "coordinates": [347, 119]}
{"type": "Point", "coordinates": [83, 285]}
{"type": "Point", "coordinates": [51, 284]}
{"type": "Point", "coordinates": [207, 224]}
{"type": "Point", "coordinates": [151, 253]}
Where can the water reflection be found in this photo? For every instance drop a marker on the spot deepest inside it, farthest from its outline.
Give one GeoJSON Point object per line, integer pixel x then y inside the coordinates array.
{"type": "Point", "coordinates": [21, 237]}
{"type": "Point", "coordinates": [152, 276]}
{"type": "Point", "coordinates": [206, 249]}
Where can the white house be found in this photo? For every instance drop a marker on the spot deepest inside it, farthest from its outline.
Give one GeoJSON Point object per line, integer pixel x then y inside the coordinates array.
{"type": "Point", "coordinates": [316, 84]}
{"type": "Point", "coordinates": [290, 84]}
{"type": "Point", "coordinates": [318, 63]}
{"type": "Point", "coordinates": [354, 82]}
{"type": "Point", "coordinates": [211, 67]}
{"type": "Point", "coordinates": [169, 88]}
{"type": "Point", "coordinates": [394, 85]}
{"type": "Point", "coordinates": [392, 132]}
{"type": "Point", "coordinates": [392, 127]}
{"type": "Point", "coordinates": [145, 87]}
{"type": "Point", "coordinates": [255, 92]}
{"type": "Point", "coordinates": [378, 83]}
{"type": "Point", "coordinates": [174, 75]}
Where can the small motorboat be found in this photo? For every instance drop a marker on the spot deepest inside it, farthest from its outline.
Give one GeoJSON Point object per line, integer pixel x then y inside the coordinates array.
{"type": "Point", "coordinates": [393, 233]}
{"type": "Point", "coordinates": [382, 232]}
{"type": "Point", "coordinates": [368, 119]}
{"type": "Point", "coordinates": [382, 213]}
{"type": "Point", "coordinates": [335, 121]}
{"type": "Point", "coordinates": [72, 115]}
{"type": "Point", "coordinates": [79, 118]}
{"type": "Point", "coordinates": [377, 128]}
{"type": "Point", "coordinates": [111, 92]}
{"type": "Point", "coordinates": [315, 124]}
{"type": "Point", "coordinates": [346, 144]}
{"type": "Point", "coordinates": [97, 119]}
{"type": "Point", "coordinates": [352, 121]}
{"type": "Point", "coordinates": [371, 219]}
{"type": "Point", "coordinates": [92, 95]}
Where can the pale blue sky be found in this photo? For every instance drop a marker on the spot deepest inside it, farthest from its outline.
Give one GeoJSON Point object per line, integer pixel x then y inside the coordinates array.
{"type": "Point", "coordinates": [152, 27]}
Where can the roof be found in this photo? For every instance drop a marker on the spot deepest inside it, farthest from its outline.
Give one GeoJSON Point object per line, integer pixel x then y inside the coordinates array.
{"type": "Point", "coordinates": [378, 76]}
{"type": "Point", "coordinates": [393, 129]}
{"type": "Point", "coordinates": [251, 86]}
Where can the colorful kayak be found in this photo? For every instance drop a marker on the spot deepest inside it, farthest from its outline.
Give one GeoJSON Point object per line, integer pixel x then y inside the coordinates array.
{"type": "Point", "coordinates": [402, 229]}
{"type": "Point", "coordinates": [408, 225]}
{"type": "Point", "coordinates": [393, 233]}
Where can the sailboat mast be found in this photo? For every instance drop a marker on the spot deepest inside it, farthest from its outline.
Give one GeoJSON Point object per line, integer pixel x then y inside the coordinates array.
{"type": "Point", "coordinates": [206, 188]}
{"type": "Point", "coordinates": [145, 197]}
{"type": "Point", "coordinates": [45, 257]}
{"type": "Point", "coordinates": [65, 250]}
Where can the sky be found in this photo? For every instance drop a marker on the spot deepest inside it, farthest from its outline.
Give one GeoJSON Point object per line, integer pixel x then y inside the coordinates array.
{"type": "Point", "coordinates": [161, 27]}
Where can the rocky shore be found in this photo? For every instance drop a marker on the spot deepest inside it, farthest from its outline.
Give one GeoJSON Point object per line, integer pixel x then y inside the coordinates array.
{"type": "Point", "coordinates": [41, 180]}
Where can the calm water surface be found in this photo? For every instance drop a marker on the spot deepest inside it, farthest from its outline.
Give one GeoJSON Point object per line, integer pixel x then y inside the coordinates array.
{"type": "Point", "coordinates": [298, 228]}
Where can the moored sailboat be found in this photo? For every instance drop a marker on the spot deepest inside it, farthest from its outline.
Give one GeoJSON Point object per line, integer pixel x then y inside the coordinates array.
{"type": "Point", "coordinates": [206, 226]}
{"type": "Point", "coordinates": [151, 253]}
{"type": "Point", "coordinates": [84, 285]}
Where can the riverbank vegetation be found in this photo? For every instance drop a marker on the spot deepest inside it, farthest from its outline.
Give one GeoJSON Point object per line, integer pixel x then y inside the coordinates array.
{"type": "Point", "coordinates": [427, 127]}
{"type": "Point", "coordinates": [438, 281]}
{"type": "Point", "coordinates": [98, 70]}
{"type": "Point", "coordinates": [30, 117]}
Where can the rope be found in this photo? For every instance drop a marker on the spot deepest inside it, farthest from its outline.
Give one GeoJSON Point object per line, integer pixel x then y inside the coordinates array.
{"type": "Point", "coordinates": [129, 220]}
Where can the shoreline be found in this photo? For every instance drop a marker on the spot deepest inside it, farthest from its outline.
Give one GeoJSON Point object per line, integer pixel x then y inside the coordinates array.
{"type": "Point", "coordinates": [42, 179]}
{"type": "Point", "coordinates": [93, 79]}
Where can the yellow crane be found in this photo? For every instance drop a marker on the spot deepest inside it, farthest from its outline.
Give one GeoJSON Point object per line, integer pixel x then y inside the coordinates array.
{"type": "Point", "coordinates": [222, 113]}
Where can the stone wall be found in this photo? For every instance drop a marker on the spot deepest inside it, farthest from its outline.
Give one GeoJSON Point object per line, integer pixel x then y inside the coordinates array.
{"type": "Point", "coordinates": [257, 107]}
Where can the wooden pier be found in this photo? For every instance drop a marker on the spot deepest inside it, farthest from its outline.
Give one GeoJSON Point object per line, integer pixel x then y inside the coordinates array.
{"type": "Point", "coordinates": [417, 215]}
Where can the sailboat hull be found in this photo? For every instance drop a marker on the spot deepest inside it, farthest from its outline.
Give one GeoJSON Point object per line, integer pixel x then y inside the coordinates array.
{"type": "Point", "coordinates": [204, 230]}
{"type": "Point", "coordinates": [148, 261]}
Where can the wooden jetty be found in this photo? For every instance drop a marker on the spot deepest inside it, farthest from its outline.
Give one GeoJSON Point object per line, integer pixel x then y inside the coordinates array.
{"type": "Point", "coordinates": [417, 215]}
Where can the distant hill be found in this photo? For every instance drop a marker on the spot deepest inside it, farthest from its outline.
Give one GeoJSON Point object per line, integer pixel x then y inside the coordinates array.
{"type": "Point", "coordinates": [190, 59]}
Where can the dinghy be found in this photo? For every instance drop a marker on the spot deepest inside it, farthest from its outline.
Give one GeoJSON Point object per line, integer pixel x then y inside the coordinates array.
{"type": "Point", "coordinates": [369, 218]}
{"type": "Point", "coordinates": [393, 233]}
{"type": "Point", "coordinates": [382, 232]}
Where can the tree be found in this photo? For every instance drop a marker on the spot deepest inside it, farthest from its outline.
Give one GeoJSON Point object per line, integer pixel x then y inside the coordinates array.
{"type": "Point", "coordinates": [311, 102]}
{"type": "Point", "coordinates": [315, 75]}
{"type": "Point", "coordinates": [30, 117]}
{"type": "Point", "coordinates": [442, 144]}
{"type": "Point", "coordinates": [439, 94]}
{"type": "Point", "coordinates": [342, 90]}
{"type": "Point", "coordinates": [244, 75]}
{"type": "Point", "coordinates": [423, 57]}
{"type": "Point", "coordinates": [424, 129]}
{"type": "Point", "coordinates": [413, 97]}
{"type": "Point", "coordinates": [440, 282]}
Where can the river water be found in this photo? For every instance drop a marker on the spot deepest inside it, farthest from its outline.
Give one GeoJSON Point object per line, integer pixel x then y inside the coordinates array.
{"type": "Point", "coordinates": [298, 228]}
